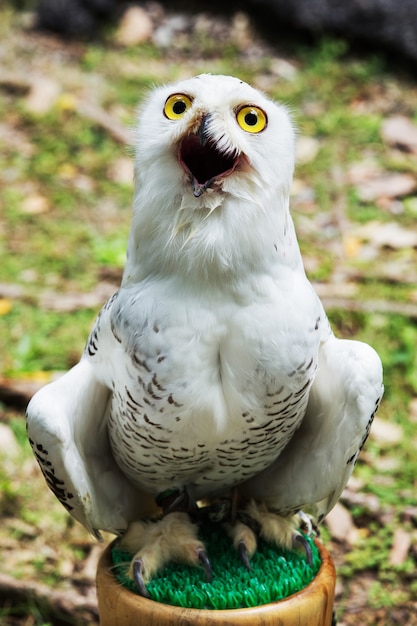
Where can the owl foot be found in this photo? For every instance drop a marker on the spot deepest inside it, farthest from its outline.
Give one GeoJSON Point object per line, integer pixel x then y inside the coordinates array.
{"type": "Point", "coordinates": [307, 524]}
{"type": "Point", "coordinates": [244, 541]}
{"type": "Point", "coordinates": [282, 531]}
{"type": "Point", "coordinates": [173, 538]}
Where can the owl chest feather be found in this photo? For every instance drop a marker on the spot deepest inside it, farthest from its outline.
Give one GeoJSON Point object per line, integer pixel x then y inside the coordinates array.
{"type": "Point", "coordinates": [205, 395]}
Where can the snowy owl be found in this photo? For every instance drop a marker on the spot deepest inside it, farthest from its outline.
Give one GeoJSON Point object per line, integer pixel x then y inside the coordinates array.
{"type": "Point", "coordinates": [212, 375]}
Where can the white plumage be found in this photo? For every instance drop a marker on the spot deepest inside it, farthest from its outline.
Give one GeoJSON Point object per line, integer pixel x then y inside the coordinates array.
{"type": "Point", "coordinates": [213, 371]}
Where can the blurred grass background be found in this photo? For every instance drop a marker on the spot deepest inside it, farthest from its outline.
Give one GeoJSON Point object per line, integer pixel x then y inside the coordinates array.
{"type": "Point", "coordinates": [65, 206]}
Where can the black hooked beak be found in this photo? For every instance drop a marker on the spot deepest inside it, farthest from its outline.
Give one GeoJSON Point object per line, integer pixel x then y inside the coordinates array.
{"type": "Point", "coordinates": [202, 131]}
{"type": "Point", "coordinates": [203, 161]}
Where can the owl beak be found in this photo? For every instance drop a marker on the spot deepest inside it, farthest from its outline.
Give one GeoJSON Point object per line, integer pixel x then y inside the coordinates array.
{"type": "Point", "coordinates": [203, 130]}
{"type": "Point", "coordinates": [203, 161]}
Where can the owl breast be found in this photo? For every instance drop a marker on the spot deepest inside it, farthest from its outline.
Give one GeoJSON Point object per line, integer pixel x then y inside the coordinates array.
{"type": "Point", "coordinates": [204, 397]}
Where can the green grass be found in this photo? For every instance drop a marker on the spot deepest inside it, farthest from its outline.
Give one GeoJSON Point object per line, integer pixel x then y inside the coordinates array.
{"type": "Point", "coordinates": [275, 574]}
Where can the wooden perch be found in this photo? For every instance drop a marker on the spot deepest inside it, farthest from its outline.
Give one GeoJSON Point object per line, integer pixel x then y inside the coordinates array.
{"type": "Point", "coordinates": [53, 604]}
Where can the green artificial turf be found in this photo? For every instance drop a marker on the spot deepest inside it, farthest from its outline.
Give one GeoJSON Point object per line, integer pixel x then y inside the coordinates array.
{"type": "Point", "coordinates": [275, 574]}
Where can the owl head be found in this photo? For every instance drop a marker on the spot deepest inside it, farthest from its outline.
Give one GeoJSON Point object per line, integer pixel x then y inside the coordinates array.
{"type": "Point", "coordinates": [213, 169]}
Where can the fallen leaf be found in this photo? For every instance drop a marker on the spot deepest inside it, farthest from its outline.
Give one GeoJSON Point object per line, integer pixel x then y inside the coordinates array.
{"type": "Point", "coordinates": [355, 484]}
{"type": "Point", "coordinates": [386, 185]}
{"type": "Point", "coordinates": [387, 463]}
{"type": "Point", "coordinates": [413, 410]}
{"type": "Point", "coordinates": [400, 270]}
{"type": "Point", "coordinates": [67, 102]}
{"type": "Point", "coordinates": [339, 590]}
{"type": "Point", "coordinates": [361, 171]}
{"type": "Point", "coordinates": [283, 68]}
{"type": "Point", "coordinates": [135, 27]}
{"type": "Point", "coordinates": [368, 501]}
{"type": "Point", "coordinates": [387, 235]}
{"type": "Point", "coordinates": [336, 290]}
{"type": "Point", "coordinates": [9, 290]}
{"type": "Point", "coordinates": [409, 514]}
{"type": "Point", "coordinates": [351, 245]}
{"type": "Point", "coordinates": [307, 149]}
{"type": "Point", "coordinates": [240, 32]}
{"type": "Point", "coordinates": [340, 524]}
{"type": "Point", "coordinates": [121, 171]}
{"type": "Point", "coordinates": [386, 433]}
{"type": "Point", "coordinates": [67, 171]}
{"type": "Point", "coordinates": [43, 95]}
{"type": "Point", "coordinates": [401, 132]}
{"type": "Point", "coordinates": [8, 442]}
{"type": "Point", "coordinates": [91, 562]}
{"type": "Point", "coordinates": [400, 547]}
{"type": "Point", "coordinates": [6, 306]}
{"type": "Point", "coordinates": [24, 529]}
{"type": "Point", "coordinates": [35, 205]}
{"type": "Point", "coordinates": [301, 192]}
{"type": "Point", "coordinates": [74, 301]}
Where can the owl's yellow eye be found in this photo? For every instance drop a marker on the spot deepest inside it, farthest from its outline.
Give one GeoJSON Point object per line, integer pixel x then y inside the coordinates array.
{"type": "Point", "coordinates": [251, 119]}
{"type": "Point", "coordinates": [176, 106]}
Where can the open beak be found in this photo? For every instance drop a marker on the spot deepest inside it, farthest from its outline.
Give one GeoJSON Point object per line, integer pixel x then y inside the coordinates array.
{"type": "Point", "coordinates": [201, 159]}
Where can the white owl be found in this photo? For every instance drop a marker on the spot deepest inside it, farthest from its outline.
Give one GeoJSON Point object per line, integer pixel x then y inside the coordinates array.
{"type": "Point", "coordinates": [212, 374]}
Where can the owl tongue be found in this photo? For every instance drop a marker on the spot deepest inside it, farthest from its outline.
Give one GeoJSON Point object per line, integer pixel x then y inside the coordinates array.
{"type": "Point", "coordinates": [203, 161]}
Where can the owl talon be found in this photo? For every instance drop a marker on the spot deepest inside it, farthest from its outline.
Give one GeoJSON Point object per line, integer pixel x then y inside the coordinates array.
{"type": "Point", "coordinates": [306, 523]}
{"type": "Point", "coordinates": [303, 543]}
{"type": "Point", "coordinates": [244, 555]}
{"type": "Point", "coordinates": [138, 577]}
{"type": "Point", "coordinates": [205, 562]}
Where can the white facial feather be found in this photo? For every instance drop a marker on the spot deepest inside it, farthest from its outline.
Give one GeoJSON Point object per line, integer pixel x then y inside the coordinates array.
{"type": "Point", "coordinates": [230, 227]}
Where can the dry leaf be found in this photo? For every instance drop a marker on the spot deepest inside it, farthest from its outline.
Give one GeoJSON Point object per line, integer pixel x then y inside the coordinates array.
{"type": "Point", "coordinates": [74, 301]}
{"type": "Point", "coordinates": [283, 68]}
{"type": "Point", "coordinates": [400, 547]}
{"type": "Point", "coordinates": [386, 433]}
{"type": "Point", "coordinates": [401, 132]}
{"type": "Point", "coordinates": [306, 149]}
{"type": "Point", "coordinates": [135, 27]}
{"type": "Point", "coordinates": [35, 205]}
{"type": "Point", "coordinates": [6, 306]}
{"type": "Point", "coordinates": [336, 289]}
{"type": "Point", "coordinates": [366, 500]}
{"type": "Point", "coordinates": [387, 235]}
{"type": "Point", "coordinates": [362, 171]}
{"type": "Point", "coordinates": [121, 171]}
{"type": "Point", "coordinates": [351, 245]}
{"type": "Point", "coordinates": [413, 410]}
{"type": "Point", "coordinates": [340, 524]}
{"type": "Point", "coordinates": [386, 185]}
{"type": "Point", "coordinates": [373, 183]}
{"type": "Point", "coordinates": [8, 442]}
{"type": "Point", "coordinates": [240, 32]}
{"type": "Point", "coordinates": [400, 270]}
{"type": "Point", "coordinates": [43, 95]}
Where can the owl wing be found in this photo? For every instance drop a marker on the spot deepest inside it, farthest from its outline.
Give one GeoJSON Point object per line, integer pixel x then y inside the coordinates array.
{"type": "Point", "coordinates": [67, 429]}
{"type": "Point", "coordinates": [314, 468]}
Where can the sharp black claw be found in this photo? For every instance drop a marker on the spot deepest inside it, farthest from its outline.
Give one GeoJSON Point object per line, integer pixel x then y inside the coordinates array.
{"type": "Point", "coordinates": [138, 578]}
{"type": "Point", "coordinates": [205, 562]}
{"type": "Point", "coordinates": [306, 523]}
{"type": "Point", "coordinates": [305, 546]}
{"type": "Point", "coordinates": [244, 555]}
